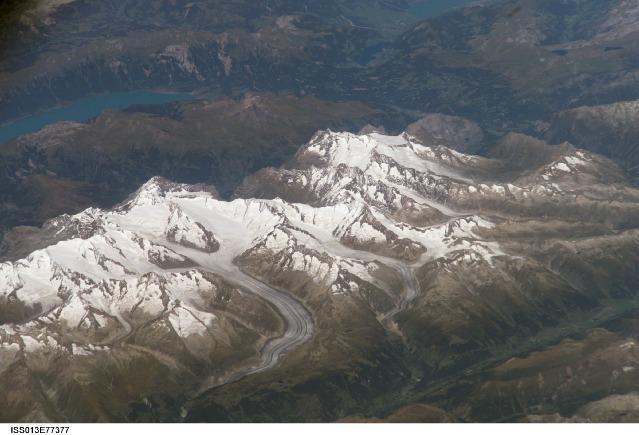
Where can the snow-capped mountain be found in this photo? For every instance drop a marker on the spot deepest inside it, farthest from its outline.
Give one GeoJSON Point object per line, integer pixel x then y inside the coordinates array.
{"type": "Point", "coordinates": [151, 255]}
{"type": "Point", "coordinates": [379, 231]}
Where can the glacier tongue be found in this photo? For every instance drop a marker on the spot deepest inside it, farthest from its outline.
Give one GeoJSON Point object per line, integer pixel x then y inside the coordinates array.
{"type": "Point", "coordinates": [151, 254]}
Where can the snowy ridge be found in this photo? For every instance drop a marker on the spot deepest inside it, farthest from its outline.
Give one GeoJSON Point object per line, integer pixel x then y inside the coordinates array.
{"type": "Point", "coordinates": [151, 256]}
{"type": "Point", "coordinates": [401, 176]}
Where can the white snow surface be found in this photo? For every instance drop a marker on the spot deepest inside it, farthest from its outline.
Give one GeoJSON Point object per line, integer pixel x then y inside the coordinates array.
{"type": "Point", "coordinates": [129, 266]}
{"type": "Point", "coordinates": [359, 151]}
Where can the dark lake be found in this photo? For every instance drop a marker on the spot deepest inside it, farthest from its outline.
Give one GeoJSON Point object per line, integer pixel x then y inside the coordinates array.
{"type": "Point", "coordinates": [85, 109]}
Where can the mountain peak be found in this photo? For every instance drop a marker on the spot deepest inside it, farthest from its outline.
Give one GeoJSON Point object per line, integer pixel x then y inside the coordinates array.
{"type": "Point", "coordinates": [369, 227]}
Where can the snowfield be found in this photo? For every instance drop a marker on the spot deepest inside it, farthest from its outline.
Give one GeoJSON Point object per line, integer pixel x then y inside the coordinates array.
{"type": "Point", "coordinates": [151, 253]}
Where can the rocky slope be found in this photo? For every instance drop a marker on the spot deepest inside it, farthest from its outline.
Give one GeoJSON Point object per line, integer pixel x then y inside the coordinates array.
{"type": "Point", "coordinates": [610, 130]}
{"type": "Point", "coordinates": [366, 256]}
{"type": "Point", "coordinates": [454, 132]}
{"type": "Point", "coordinates": [550, 229]}
{"type": "Point", "coordinates": [69, 166]}
{"type": "Point", "coordinates": [62, 50]}
{"type": "Point", "coordinates": [510, 63]}
{"type": "Point", "coordinates": [503, 64]}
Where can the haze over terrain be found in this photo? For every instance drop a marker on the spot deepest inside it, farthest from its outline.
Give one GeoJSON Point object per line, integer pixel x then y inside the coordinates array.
{"type": "Point", "coordinates": [336, 210]}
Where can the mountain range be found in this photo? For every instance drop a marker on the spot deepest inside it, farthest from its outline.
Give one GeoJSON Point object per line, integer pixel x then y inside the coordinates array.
{"type": "Point", "coordinates": [375, 256]}
{"type": "Point", "coordinates": [366, 211]}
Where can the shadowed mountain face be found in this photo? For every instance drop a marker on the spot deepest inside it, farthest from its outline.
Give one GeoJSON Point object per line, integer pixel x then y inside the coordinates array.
{"type": "Point", "coordinates": [62, 50]}
{"type": "Point", "coordinates": [341, 260]}
{"type": "Point", "coordinates": [354, 214]}
{"type": "Point", "coordinates": [513, 62]}
{"type": "Point", "coordinates": [68, 166]}
{"type": "Point", "coordinates": [505, 63]}
{"type": "Point", "coordinates": [611, 130]}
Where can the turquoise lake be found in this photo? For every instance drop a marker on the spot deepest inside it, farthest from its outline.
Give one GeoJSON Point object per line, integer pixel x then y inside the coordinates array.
{"type": "Point", "coordinates": [85, 109]}
{"type": "Point", "coordinates": [90, 107]}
